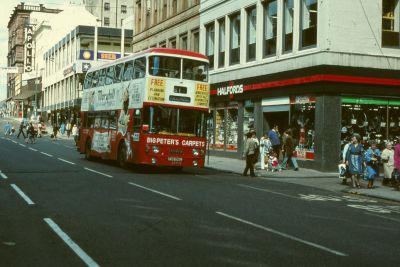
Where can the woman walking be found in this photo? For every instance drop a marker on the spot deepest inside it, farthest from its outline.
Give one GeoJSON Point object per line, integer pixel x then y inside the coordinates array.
{"type": "Point", "coordinates": [354, 160]}
{"type": "Point", "coordinates": [388, 163]}
{"type": "Point", "coordinates": [372, 158]}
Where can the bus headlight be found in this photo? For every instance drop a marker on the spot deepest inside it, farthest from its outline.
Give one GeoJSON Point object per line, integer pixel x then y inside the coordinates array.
{"type": "Point", "coordinates": [153, 161]}
{"type": "Point", "coordinates": [195, 152]}
{"type": "Point", "coordinates": [155, 149]}
{"type": "Point", "coordinates": [195, 163]}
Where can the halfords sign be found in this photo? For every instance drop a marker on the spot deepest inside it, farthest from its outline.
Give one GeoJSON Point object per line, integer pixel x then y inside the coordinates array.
{"type": "Point", "coordinates": [29, 48]}
{"type": "Point", "coordinates": [231, 89]}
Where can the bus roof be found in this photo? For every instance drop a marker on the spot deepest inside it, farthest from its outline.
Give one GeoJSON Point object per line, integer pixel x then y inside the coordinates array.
{"type": "Point", "coordinates": [156, 50]}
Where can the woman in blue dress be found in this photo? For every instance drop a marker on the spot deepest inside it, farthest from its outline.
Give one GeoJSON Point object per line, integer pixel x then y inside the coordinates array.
{"type": "Point", "coordinates": [355, 160]}
{"type": "Point", "coordinates": [372, 158]}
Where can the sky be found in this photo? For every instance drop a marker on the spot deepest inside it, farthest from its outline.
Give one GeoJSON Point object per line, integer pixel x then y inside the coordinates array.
{"type": "Point", "coordinates": [7, 7]}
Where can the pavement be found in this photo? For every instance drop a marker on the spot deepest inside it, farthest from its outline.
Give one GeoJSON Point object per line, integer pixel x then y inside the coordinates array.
{"type": "Point", "coordinates": [306, 177]}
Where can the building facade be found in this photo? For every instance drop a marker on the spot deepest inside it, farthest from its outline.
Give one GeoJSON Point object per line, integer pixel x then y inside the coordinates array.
{"type": "Point", "coordinates": [20, 54]}
{"type": "Point", "coordinates": [111, 13]}
{"type": "Point", "coordinates": [67, 62]}
{"type": "Point", "coordinates": [326, 69]}
{"type": "Point", "coordinates": [166, 23]}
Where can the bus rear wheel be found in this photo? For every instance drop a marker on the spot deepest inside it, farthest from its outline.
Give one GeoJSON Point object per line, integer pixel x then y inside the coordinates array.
{"type": "Point", "coordinates": [88, 150]}
{"type": "Point", "coordinates": [121, 159]}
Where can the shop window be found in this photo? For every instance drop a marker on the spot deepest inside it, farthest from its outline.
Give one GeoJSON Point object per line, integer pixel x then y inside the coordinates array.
{"type": "Point", "coordinates": [248, 117]}
{"type": "Point", "coordinates": [221, 45]}
{"type": "Point", "coordinates": [235, 39]}
{"type": "Point", "coordinates": [210, 129]}
{"type": "Point", "coordinates": [231, 126]}
{"type": "Point", "coordinates": [309, 19]}
{"type": "Point", "coordinates": [251, 33]}
{"type": "Point", "coordinates": [270, 27]}
{"type": "Point", "coordinates": [288, 15]}
{"type": "Point", "coordinates": [391, 23]}
{"type": "Point", "coordinates": [302, 123]}
{"type": "Point", "coordinates": [219, 128]}
{"type": "Point", "coordinates": [210, 35]}
{"type": "Point", "coordinates": [374, 119]}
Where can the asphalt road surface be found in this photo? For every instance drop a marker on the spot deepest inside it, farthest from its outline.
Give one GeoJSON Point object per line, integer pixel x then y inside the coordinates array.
{"type": "Point", "coordinates": [58, 209]}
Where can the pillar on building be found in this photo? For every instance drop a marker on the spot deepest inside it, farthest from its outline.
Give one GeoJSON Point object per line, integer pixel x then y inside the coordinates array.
{"type": "Point", "coordinates": [327, 132]}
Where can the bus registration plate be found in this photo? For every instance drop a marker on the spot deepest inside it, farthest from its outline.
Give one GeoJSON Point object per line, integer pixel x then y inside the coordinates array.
{"type": "Point", "coordinates": [175, 159]}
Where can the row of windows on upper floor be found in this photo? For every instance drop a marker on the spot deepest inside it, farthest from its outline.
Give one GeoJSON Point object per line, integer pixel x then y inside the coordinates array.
{"type": "Point", "coordinates": [307, 30]}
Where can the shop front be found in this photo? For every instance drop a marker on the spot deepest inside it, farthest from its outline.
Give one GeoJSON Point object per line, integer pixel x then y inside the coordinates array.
{"type": "Point", "coordinates": [321, 110]}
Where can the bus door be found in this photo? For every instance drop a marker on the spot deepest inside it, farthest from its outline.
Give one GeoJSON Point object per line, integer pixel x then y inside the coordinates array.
{"type": "Point", "coordinates": [101, 140]}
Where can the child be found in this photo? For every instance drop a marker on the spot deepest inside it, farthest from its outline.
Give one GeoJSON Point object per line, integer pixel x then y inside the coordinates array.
{"type": "Point", "coordinates": [273, 163]}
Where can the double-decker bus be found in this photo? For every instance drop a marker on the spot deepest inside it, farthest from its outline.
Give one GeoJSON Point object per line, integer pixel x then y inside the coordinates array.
{"type": "Point", "coordinates": [147, 108]}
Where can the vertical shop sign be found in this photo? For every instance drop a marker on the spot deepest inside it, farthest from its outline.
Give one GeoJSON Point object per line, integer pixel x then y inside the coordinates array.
{"type": "Point", "coordinates": [29, 46]}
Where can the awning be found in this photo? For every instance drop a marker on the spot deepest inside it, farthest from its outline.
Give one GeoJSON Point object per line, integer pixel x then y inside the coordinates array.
{"type": "Point", "coordinates": [24, 95]}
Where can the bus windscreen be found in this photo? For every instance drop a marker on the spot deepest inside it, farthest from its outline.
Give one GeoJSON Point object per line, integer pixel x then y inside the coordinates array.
{"type": "Point", "coordinates": [174, 121]}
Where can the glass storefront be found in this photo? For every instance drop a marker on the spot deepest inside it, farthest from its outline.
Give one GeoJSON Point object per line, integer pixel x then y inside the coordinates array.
{"type": "Point", "coordinates": [374, 119]}
{"type": "Point", "coordinates": [223, 125]}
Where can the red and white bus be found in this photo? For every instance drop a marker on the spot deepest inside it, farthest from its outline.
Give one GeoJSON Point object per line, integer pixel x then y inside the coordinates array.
{"type": "Point", "coordinates": [147, 108]}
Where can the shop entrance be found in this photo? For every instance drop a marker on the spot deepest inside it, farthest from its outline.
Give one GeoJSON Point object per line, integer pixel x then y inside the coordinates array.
{"type": "Point", "coordinates": [271, 118]}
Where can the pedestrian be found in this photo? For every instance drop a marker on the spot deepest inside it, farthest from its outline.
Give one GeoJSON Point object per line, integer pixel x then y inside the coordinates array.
{"type": "Point", "coordinates": [55, 131]}
{"type": "Point", "coordinates": [396, 172]}
{"type": "Point", "coordinates": [265, 150]}
{"type": "Point", "coordinates": [257, 149]}
{"type": "Point", "coordinates": [388, 163]}
{"type": "Point", "coordinates": [75, 133]}
{"type": "Point", "coordinates": [21, 129]}
{"type": "Point", "coordinates": [372, 159]}
{"type": "Point", "coordinates": [68, 127]}
{"type": "Point", "coordinates": [288, 148]}
{"type": "Point", "coordinates": [248, 153]}
{"type": "Point", "coordinates": [30, 133]}
{"type": "Point", "coordinates": [62, 128]}
{"type": "Point", "coordinates": [344, 153]}
{"type": "Point", "coordinates": [274, 137]}
{"type": "Point", "coordinates": [355, 160]}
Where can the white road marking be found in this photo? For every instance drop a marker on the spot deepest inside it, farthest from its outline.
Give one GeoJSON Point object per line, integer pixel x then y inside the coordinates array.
{"type": "Point", "coordinates": [107, 175]}
{"type": "Point", "coordinates": [22, 194]}
{"type": "Point", "coordinates": [320, 198]}
{"type": "Point", "coordinates": [32, 149]}
{"type": "Point", "coordinates": [46, 154]}
{"type": "Point", "coordinates": [78, 251]}
{"type": "Point", "coordinates": [66, 161]}
{"type": "Point", "coordinates": [3, 175]}
{"type": "Point", "coordinates": [22, 145]}
{"type": "Point", "coordinates": [268, 191]}
{"type": "Point", "coordinates": [371, 208]}
{"type": "Point", "coordinates": [283, 234]}
{"type": "Point", "coordinates": [15, 142]}
{"type": "Point", "coordinates": [155, 191]}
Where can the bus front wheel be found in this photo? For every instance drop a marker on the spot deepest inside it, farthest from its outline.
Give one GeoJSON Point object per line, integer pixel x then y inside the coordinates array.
{"type": "Point", "coordinates": [88, 150]}
{"type": "Point", "coordinates": [121, 159]}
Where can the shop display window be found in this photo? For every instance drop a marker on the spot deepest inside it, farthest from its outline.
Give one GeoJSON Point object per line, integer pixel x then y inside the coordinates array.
{"type": "Point", "coordinates": [223, 127]}
{"type": "Point", "coordinates": [232, 127]}
{"type": "Point", "coordinates": [248, 117]}
{"type": "Point", "coordinates": [374, 119]}
{"type": "Point", "coordinates": [302, 123]}
{"type": "Point", "coordinates": [219, 128]}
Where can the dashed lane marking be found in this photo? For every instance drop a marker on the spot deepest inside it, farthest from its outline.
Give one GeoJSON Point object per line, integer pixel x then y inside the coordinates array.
{"type": "Point", "coordinates": [283, 234]}
{"type": "Point", "coordinates": [22, 194]}
{"type": "Point", "coordinates": [155, 191]}
{"type": "Point", "coordinates": [3, 175]}
{"type": "Point", "coordinates": [46, 154]}
{"type": "Point", "coordinates": [33, 149]}
{"type": "Point", "coordinates": [107, 175]}
{"type": "Point", "coordinates": [75, 248]}
{"type": "Point", "coordinates": [66, 161]}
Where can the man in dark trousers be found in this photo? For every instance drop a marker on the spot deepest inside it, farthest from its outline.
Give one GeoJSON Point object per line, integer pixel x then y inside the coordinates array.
{"type": "Point", "coordinates": [249, 153]}
{"type": "Point", "coordinates": [21, 129]}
